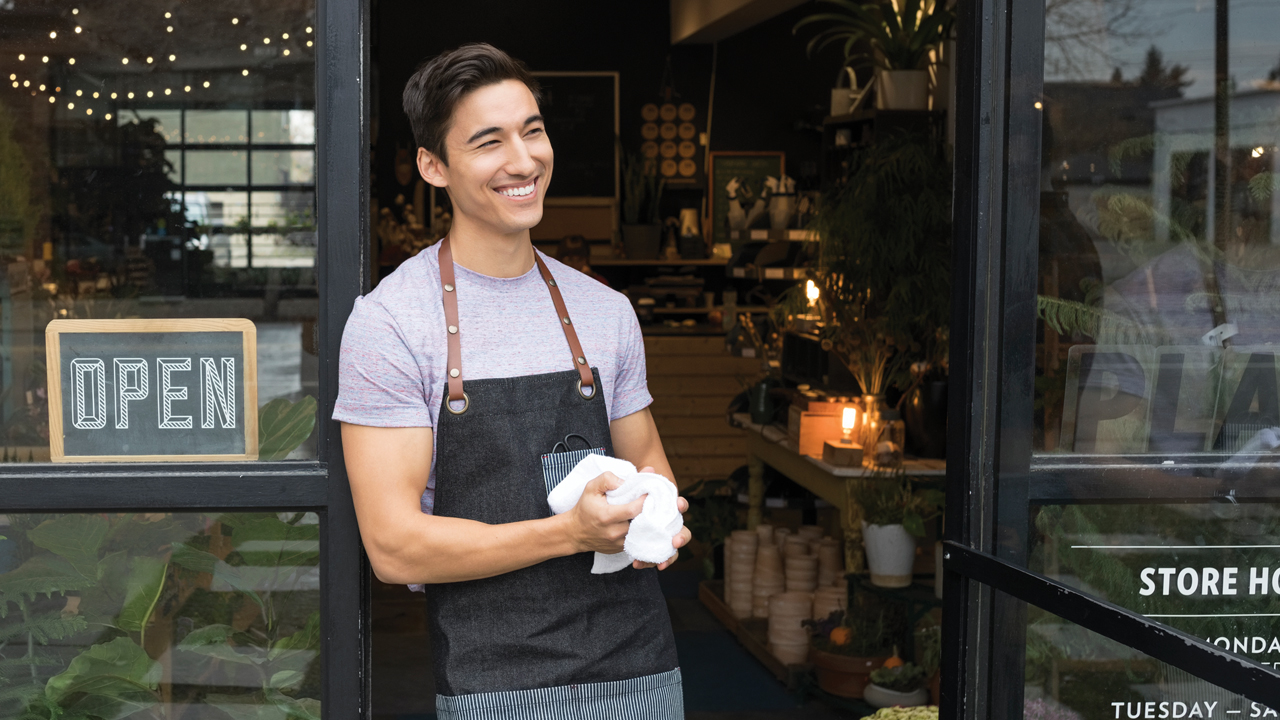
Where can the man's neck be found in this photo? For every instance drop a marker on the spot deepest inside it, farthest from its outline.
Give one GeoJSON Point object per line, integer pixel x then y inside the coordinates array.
{"type": "Point", "coordinates": [481, 250]}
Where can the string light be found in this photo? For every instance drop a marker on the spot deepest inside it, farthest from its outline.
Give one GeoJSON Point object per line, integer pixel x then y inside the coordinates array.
{"type": "Point", "coordinates": [1039, 105]}
{"type": "Point", "coordinates": [150, 59]}
{"type": "Point", "coordinates": [285, 36]}
{"type": "Point", "coordinates": [235, 21]}
{"type": "Point", "coordinates": [95, 96]}
{"type": "Point", "coordinates": [26, 83]}
{"type": "Point", "coordinates": [243, 47]}
{"type": "Point", "coordinates": [167, 91]}
{"type": "Point", "coordinates": [168, 15]}
{"type": "Point", "coordinates": [172, 58]}
{"type": "Point", "coordinates": [13, 76]}
{"type": "Point", "coordinates": [266, 41]}
{"type": "Point", "coordinates": [113, 96]}
{"type": "Point", "coordinates": [75, 11]}
{"type": "Point", "coordinates": [53, 34]}
{"type": "Point", "coordinates": [71, 61]}
{"type": "Point", "coordinates": [124, 61]}
{"type": "Point", "coordinates": [150, 94]}
{"type": "Point", "coordinates": [130, 96]}
{"type": "Point", "coordinates": [88, 111]}
{"type": "Point", "coordinates": [78, 29]}
{"type": "Point", "coordinates": [71, 106]}
{"type": "Point", "coordinates": [244, 72]}
{"type": "Point", "coordinates": [44, 59]}
{"type": "Point", "coordinates": [169, 29]}
{"type": "Point", "coordinates": [206, 83]}
{"type": "Point", "coordinates": [21, 57]}
{"type": "Point", "coordinates": [308, 29]}
{"type": "Point", "coordinates": [286, 51]}
{"type": "Point", "coordinates": [79, 93]}
{"type": "Point", "coordinates": [308, 43]}
{"type": "Point", "coordinates": [52, 99]}
{"type": "Point", "coordinates": [41, 88]}
{"type": "Point", "coordinates": [107, 116]}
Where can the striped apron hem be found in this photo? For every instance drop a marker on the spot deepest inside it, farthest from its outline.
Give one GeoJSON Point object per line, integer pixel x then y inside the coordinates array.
{"type": "Point", "coordinates": [659, 696]}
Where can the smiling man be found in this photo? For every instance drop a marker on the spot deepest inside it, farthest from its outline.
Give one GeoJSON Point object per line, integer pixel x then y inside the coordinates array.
{"type": "Point", "coordinates": [458, 374]}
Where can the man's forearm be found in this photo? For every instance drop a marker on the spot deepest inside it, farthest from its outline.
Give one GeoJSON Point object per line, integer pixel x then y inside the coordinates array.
{"type": "Point", "coordinates": [433, 549]}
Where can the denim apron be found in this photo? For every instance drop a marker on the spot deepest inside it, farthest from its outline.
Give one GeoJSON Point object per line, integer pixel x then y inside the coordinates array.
{"type": "Point", "coordinates": [551, 640]}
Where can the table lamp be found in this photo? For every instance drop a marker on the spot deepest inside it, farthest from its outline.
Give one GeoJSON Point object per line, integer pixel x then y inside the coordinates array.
{"type": "Point", "coordinates": [844, 452]}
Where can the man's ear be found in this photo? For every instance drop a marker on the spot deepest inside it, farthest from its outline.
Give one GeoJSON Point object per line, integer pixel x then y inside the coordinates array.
{"type": "Point", "coordinates": [432, 169]}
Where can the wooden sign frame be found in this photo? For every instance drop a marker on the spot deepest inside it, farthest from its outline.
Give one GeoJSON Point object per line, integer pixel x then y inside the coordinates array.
{"type": "Point", "coordinates": [714, 191]}
{"type": "Point", "coordinates": [53, 355]}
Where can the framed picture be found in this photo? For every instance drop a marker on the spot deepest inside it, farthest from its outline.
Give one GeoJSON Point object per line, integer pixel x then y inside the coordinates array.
{"type": "Point", "coordinates": [750, 168]}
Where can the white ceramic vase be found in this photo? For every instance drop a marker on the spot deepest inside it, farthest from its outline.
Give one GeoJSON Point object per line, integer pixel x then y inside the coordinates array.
{"type": "Point", "coordinates": [891, 553]}
{"type": "Point", "coordinates": [880, 697]}
{"type": "Point", "coordinates": [902, 90]}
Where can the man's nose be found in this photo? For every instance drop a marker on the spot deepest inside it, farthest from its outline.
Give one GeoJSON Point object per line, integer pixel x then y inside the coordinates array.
{"type": "Point", "coordinates": [521, 162]}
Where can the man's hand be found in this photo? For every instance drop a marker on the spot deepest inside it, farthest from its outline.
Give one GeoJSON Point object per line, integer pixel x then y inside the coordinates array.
{"type": "Point", "coordinates": [677, 542]}
{"type": "Point", "coordinates": [597, 526]}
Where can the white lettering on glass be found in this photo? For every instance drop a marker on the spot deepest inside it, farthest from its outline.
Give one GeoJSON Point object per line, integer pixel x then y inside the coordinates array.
{"type": "Point", "coordinates": [132, 384]}
{"type": "Point", "coordinates": [165, 367]}
{"type": "Point", "coordinates": [219, 396]}
{"type": "Point", "coordinates": [89, 386]}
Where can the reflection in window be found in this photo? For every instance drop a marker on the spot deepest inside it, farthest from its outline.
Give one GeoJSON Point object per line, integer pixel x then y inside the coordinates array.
{"type": "Point", "coordinates": [160, 615]}
{"type": "Point", "coordinates": [1159, 239]}
{"type": "Point", "coordinates": [150, 167]}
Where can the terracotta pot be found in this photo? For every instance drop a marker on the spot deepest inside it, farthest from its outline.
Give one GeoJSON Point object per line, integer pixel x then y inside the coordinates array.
{"type": "Point", "coordinates": [844, 675]}
{"type": "Point", "coordinates": [882, 697]}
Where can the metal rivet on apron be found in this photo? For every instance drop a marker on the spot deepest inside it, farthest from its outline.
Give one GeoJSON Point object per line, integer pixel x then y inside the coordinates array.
{"type": "Point", "coordinates": [566, 320]}
{"type": "Point", "coordinates": [454, 372]}
{"type": "Point", "coordinates": [552, 283]}
{"type": "Point", "coordinates": [448, 287]}
{"type": "Point", "coordinates": [582, 360]}
{"type": "Point", "coordinates": [453, 329]}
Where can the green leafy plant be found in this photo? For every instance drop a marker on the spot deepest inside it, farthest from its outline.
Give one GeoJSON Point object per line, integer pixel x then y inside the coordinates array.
{"type": "Point", "coordinates": [884, 270]}
{"type": "Point", "coordinates": [878, 34]}
{"type": "Point", "coordinates": [641, 192]}
{"type": "Point", "coordinates": [283, 426]}
{"type": "Point", "coordinates": [898, 502]}
{"type": "Point", "coordinates": [904, 678]}
{"type": "Point", "coordinates": [870, 636]}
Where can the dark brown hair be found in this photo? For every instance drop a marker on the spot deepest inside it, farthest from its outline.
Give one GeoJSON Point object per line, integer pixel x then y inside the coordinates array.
{"type": "Point", "coordinates": [439, 84]}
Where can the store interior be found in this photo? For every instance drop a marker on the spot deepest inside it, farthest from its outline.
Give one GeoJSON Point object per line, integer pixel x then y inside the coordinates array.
{"type": "Point", "coordinates": [736, 344]}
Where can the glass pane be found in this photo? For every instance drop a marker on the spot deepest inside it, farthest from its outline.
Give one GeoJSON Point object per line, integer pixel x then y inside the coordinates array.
{"type": "Point", "coordinates": [1074, 674]}
{"type": "Point", "coordinates": [284, 167]}
{"type": "Point", "coordinates": [125, 191]}
{"type": "Point", "coordinates": [1159, 246]}
{"type": "Point", "coordinates": [217, 167]}
{"type": "Point", "coordinates": [160, 615]}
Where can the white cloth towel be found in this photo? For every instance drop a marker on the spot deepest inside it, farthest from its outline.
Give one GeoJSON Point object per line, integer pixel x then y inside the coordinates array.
{"type": "Point", "coordinates": [651, 532]}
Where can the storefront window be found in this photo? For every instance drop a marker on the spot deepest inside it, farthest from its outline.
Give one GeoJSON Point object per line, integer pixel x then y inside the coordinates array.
{"type": "Point", "coordinates": [1156, 396]}
{"type": "Point", "coordinates": [160, 615]}
{"type": "Point", "coordinates": [158, 163]}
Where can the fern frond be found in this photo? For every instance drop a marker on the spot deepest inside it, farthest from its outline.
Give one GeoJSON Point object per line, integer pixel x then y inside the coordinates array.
{"type": "Point", "coordinates": [1068, 317]}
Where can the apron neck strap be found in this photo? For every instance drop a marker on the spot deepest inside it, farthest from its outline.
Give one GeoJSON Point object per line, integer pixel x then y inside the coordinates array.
{"type": "Point", "coordinates": [450, 298]}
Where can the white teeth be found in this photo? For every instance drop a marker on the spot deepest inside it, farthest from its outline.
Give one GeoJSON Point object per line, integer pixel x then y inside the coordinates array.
{"type": "Point", "coordinates": [518, 192]}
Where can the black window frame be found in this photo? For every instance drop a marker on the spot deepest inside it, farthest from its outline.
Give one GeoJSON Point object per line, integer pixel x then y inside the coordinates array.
{"type": "Point", "coordinates": [320, 485]}
{"type": "Point", "coordinates": [990, 476]}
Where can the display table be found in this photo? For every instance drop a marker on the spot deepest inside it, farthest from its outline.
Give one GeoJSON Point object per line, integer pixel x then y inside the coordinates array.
{"type": "Point", "coordinates": [770, 445]}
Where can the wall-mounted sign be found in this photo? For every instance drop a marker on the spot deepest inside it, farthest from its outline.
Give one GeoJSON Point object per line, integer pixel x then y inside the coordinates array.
{"type": "Point", "coordinates": [152, 390]}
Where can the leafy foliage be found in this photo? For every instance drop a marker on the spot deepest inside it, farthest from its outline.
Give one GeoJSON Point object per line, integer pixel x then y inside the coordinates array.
{"type": "Point", "coordinates": [896, 501]}
{"type": "Point", "coordinates": [877, 34]}
{"type": "Point", "coordinates": [283, 426]}
{"type": "Point", "coordinates": [641, 192]}
{"type": "Point", "coordinates": [884, 275]}
{"type": "Point", "coordinates": [904, 678]}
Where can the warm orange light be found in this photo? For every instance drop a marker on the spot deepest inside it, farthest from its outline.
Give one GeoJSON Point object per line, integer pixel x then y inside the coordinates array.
{"type": "Point", "coordinates": [811, 291]}
{"type": "Point", "coordinates": [849, 419]}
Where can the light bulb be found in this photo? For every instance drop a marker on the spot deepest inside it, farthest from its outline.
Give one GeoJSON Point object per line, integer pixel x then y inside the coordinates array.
{"type": "Point", "coordinates": [286, 51]}
{"type": "Point", "coordinates": [150, 59]}
{"type": "Point", "coordinates": [113, 96]}
{"type": "Point", "coordinates": [285, 36]}
{"type": "Point", "coordinates": [44, 59]}
{"type": "Point", "coordinates": [71, 61]}
{"type": "Point", "coordinates": [187, 89]}
{"type": "Point", "coordinates": [172, 58]}
{"type": "Point", "coordinates": [75, 11]}
{"type": "Point", "coordinates": [167, 91]}
{"type": "Point", "coordinates": [206, 83]}
{"type": "Point", "coordinates": [53, 34]}
{"type": "Point", "coordinates": [1039, 105]}
{"type": "Point", "coordinates": [79, 93]}
{"type": "Point", "coordinates": [168, 15]}
{"type": "Point", "coordinates": [88, 111]}
{"type": "Point", "coordinates": [849, 419]}
{"type": "Point", "coordinates": [15, 83]}
{"type": "Point", "coordinates": [266, 41]}
{"type": "Point", "coordinates": [308, 43]}
{"type": "Point", "coordinates": [13, 76]}
{"type": "Point", "coordinates": [150, 94]}
{"type": "Point", "coordinates": [235, 21]}
{"type": "Point", "coordinates": [169, 28]}
{"type": "Point", "coordinates": [52, 99]}
{"type": "Point", "coordinates": [95, 96]}
{"type": "Point", "coordinates": [26, 83]}
{"type": "Point", "coordinates": [811, 291]}
{"type": "Point", "coordinates": [124, 61]}
{"type": "Point", "coordinates": [130, 96]}
{"type": "Point", "coordinates": [243, 47]}
{"type": "Point", "coordinates": [1259, 151]}
{"type": "Point", "coordinates": [21, 57]}
{"type": "Point", "coordinates": [244, 72]}
{"type": "Point", "coordinates": [42, 88]}
{"type": "Point", "coordinates": [308, 29]}
{"type": "Point", "coordinates": [78, 29]}
{"type": "Point", "coordinates": [71, 106]}
{"type": "Point", "coordinates": [107, 116]}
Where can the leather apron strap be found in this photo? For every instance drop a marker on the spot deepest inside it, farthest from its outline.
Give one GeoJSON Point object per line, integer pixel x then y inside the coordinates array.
{"type": "Point", "coordinates": [450, 297]}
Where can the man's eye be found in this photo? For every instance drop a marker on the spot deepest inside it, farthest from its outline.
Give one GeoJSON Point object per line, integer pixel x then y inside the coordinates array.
{"type": "Point", "coordinates": [486, 144]}
{"type": "Point", "coordinates": [535, 131]}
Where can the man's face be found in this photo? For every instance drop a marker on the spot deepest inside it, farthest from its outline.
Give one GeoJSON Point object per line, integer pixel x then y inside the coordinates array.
{"type": "Point", "coordinates": [499, 159]}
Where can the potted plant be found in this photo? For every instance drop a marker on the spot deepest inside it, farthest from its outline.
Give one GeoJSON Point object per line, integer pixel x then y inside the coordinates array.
{"type": "Point", "coordinates": [894, 514]}
{"type": "Point", "coordinates": [897, 39]}
{"type": "Point", "coordinates": [845, 649]}
{"type": "Point", "coordinates": [897, 684]}
{"type": "Point", "coordinates": [883, 271]}
{"type": "Point", "coordinates": [641, 193]}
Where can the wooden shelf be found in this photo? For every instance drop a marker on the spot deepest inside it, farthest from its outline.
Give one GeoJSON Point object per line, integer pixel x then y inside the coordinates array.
{"type": "Point", "coordinates": [705, 310]}
{"type": "Point", "coordinates": [791, 235]}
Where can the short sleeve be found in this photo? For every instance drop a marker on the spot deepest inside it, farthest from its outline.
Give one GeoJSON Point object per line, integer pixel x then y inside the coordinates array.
{"type": "Point", "coordinates": [631, 386]}
{"type": "Point", "coordinates": [379, 381]}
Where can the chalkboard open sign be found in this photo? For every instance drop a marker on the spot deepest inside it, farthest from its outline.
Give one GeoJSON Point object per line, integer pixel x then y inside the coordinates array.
{"type": "Point", "coordinates": [152, 390]}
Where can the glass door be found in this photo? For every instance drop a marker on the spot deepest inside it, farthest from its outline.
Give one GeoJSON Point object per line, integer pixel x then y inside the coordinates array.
{"type": "Point", "coordinates": [176, 534]}
{"type": "Point", "coordinates": [1114, 523]}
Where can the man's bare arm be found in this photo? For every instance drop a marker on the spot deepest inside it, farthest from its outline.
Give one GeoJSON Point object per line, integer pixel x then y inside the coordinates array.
{"type": "Point", "coordinates": [388, 470]}
{"type": "Point", "coordinates": [635, 439]}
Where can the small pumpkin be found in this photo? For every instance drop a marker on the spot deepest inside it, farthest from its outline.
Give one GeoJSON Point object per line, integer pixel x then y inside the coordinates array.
{"type": "Point", "coordinates": [841, 636]}
{"type": "Point", "coordinates": [894, 661]}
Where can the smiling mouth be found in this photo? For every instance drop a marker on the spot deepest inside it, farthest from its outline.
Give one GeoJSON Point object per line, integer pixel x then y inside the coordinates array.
{"type": "Point", "coordinates": [519, 192]}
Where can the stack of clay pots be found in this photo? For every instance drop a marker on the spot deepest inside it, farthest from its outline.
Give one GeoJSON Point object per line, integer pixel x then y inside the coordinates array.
{"type": "Point", "coordinates": [768, 579]}
{"type": "Point", "coordinates": [802, 573]}
{"type": "Point", "coordinates": [829, 599]}
{"type": "Point", "coordinates": [810, 533]}
{"type": "Point", "coordinates": [780, 536]}
{"type": "Point", "coordinates": [830, 562]}
{"type": "Point", "coordinates": [740, 565]}
{"type": "Point", "coordinates": [788, 639]}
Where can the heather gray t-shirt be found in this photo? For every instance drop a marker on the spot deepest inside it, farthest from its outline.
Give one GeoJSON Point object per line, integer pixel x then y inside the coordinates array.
{"type": "Point", "coordinates": [394, 348]}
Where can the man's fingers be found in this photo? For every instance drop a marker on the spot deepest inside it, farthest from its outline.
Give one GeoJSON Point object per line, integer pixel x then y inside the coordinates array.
{"type": "Point", "coordinates": [603, 483]}
{"type": "Point", "coordinates": [646, 469]}
{"type": "Point", "coordinates": [682, 538]}
{"type": "Point", "coordinates": [682, 505]}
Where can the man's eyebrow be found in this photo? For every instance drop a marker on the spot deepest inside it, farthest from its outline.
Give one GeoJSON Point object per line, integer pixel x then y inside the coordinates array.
{"type": "Point", "coordinates": [490, 130]}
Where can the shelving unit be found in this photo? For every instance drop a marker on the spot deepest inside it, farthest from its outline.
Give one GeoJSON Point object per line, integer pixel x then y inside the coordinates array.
{"type": "Point", "coordinates": [621, 262]}
{"type": "Point", "coordinates": [771, 235]}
